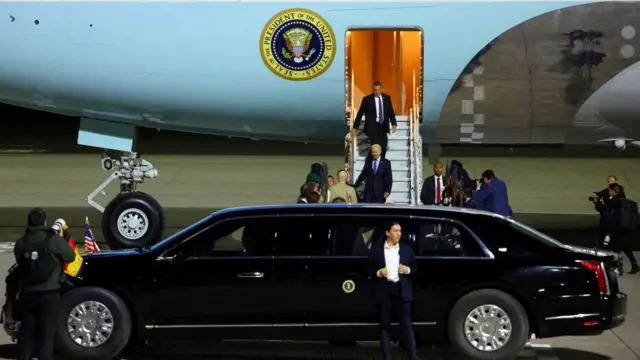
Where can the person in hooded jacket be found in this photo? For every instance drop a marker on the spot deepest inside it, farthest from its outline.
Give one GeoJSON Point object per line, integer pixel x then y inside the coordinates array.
{"type": "Point", "coordinates": [620, 241]}
{"type": "Point", "coordinates": [39, 297]}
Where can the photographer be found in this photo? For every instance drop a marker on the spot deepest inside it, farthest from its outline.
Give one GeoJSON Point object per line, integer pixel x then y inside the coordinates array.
{"type": "Point", "coordinates": [40, 254]}
{"type": "Point", "coordinates": [615, 219]}
{"type": "Point", "coordinates": [602, 197]}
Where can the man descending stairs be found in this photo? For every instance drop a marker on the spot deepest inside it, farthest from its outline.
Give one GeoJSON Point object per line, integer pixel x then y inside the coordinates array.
{"type": "Point", "coordinates": [398, 152]}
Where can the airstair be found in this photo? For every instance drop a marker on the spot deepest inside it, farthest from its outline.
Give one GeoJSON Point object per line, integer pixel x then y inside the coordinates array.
{"type": "Point", "coordinates": [404, 151]}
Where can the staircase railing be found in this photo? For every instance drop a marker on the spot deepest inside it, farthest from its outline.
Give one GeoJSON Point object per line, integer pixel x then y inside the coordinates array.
{"type": "Point", "coordinates": [352, 141]}
{"type": "Point", "coordinates": [412, 164]}
{"type": "Point", "coordinates": [416, 146]}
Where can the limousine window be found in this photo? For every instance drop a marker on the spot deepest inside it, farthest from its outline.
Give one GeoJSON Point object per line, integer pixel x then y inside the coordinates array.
{"type": "Point", "coordinates": [235, 237]}
{"type": "Point", "coordinates": [508, 236]}
{"type": "Point", "coordinates": [444, 238]}
{"type": "Point", "coordinates": [354, 235]}
{"type": "Point", "coordinates": [302, 235]}
{"type": "Point", "coordinates": [262, 236]}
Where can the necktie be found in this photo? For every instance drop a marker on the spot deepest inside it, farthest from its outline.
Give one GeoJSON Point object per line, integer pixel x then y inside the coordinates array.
{"type": "Point", "coordinates": [375, 166]}
{"type": "Point", "coordinates": [380, 116]}
{"type": "Point", "coordinates": [438, 191]}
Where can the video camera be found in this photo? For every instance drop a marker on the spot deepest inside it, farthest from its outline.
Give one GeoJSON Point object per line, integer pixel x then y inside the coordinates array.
{"type": "Point", "coordinates": [596, 198]}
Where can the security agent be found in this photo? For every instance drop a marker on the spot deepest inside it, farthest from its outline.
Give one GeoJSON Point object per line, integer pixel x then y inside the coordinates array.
{"type": "Point", "coordinates": [391, 265]}
{"type": "Point", "coordinates": [611, 212]}
{"type": "Point", "coordinates": [40, 254]}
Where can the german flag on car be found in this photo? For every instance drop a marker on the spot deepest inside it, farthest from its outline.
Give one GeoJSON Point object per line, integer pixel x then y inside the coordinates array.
{"type": "Point", "coordinates": [73, 268]}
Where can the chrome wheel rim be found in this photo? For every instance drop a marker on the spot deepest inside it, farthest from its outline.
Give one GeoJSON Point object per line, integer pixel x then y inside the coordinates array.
{"type": "Point", "coordinates": [487, 328]}
{"type": "Point", "coordinates": [133, 224]}
{"type": "Point", "coordinates": [90, 324]}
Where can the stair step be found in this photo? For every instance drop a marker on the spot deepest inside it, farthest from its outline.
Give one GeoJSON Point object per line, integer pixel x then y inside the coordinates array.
{"type": "Point", "coordinates": [400, 197]}
{"type": "Point", "coordinates": [401, 186]}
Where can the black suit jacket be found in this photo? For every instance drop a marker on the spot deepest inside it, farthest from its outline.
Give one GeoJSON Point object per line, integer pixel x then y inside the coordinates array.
{"type": "Point", "coordinates": [376, 183]}
{"type": "Point", "coordinates": [377, 262]}
{"type": "Point", "coordinates": [428, 192]}
{"type": "Point", "coordinates": [368, 109]}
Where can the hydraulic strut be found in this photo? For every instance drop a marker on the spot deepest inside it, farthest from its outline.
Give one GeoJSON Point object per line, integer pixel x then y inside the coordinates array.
{"type": "Point", "coordinates": [129, 168]}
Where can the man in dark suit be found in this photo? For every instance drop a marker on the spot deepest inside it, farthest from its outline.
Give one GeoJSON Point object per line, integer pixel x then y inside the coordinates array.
{"type": "Point", "coordinates": [433, 186]}
{"type": "Point", "coordinates": [392, 265]}
{"type": "Point", "coordinates": [378, 176]}
{"type": "Point", "coordinates": [491, 195]}
{"type": "Point", "coordinates": [378, 113]}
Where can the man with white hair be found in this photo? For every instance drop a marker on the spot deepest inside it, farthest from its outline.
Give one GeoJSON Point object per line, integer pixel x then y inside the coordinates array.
{"type": "Point", "coordinates": [343, 190]}
{"type": "Point", "coordinates": [378, 177]}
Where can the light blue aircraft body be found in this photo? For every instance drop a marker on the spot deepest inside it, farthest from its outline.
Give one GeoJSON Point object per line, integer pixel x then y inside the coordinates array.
{"type": "Point", "coordinates": [196, 67]}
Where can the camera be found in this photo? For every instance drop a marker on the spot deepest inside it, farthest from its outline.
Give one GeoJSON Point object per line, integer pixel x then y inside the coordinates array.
{"type": "Point", "coordinates": [595, 198]}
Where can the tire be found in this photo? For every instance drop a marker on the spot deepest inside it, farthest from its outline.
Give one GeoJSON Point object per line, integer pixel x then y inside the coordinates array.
{"type": "Point", "coordinates": [141, 206]}
{"type": "Point", "coordinates": [120, 319]}
{"type": "Point", "coordinates": [513, 309]}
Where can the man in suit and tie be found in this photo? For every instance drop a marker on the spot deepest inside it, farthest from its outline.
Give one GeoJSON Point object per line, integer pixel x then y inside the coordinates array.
{"type": "Point", "coordinates": [378, 113]}
{"type": "Point", "coordinates": [491, 195]}
{"type": "Point", "coordinates": [378, 176]}
{"type": "Point", "coordinates": [433, 187]}
{"type": "Point", "coordinates": [392, 265]}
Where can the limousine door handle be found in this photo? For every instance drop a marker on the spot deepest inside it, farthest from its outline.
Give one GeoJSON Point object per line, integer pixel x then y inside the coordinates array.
{"type": "Point", "coordinates": [251, 275]}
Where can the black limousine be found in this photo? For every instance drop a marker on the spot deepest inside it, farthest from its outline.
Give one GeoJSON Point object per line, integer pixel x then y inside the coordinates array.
{"type": "Point", "coordinates": [485, 284]}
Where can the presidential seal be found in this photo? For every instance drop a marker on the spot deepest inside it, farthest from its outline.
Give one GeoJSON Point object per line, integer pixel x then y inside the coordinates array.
{"type": "Point", "coordinates": [297, 44]}
{"type": "Point", "coordinates": [348, 286]}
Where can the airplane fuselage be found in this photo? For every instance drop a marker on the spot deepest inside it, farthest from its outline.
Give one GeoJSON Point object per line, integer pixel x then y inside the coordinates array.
{"type": "Point", "coordinates": [200, 67]}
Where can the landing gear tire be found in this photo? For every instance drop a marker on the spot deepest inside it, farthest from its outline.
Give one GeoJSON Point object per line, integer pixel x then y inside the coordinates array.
{"type": "Point", "coordinates": [132, 219]}
{"type": "Point", "coordinates": [94, 323]}
{"type": "Point", "coordinates": [488, 324]}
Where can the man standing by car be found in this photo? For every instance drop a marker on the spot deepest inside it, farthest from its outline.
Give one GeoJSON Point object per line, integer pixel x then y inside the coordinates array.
{"type": "Point", "coordinates": [40, 254]}
{"type": "Point", "coordinates": [433, 186]}
{"type": "Point", "coordinates": [391, 265]}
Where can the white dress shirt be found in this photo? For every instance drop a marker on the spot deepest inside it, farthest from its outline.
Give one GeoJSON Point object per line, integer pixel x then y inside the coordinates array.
{"type": "Point", "coordinates": [392, 262]}
{"type": "Point", "coordinates": [379, 108]}
{"type": "Point", "coordinates": [436, 180]}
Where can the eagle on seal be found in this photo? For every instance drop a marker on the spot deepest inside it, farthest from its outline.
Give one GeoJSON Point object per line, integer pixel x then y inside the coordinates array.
{"type": "Point", "coordinates": [298, 42]}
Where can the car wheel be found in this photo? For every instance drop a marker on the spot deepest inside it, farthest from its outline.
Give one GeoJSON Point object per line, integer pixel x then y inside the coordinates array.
{"type": "Point", "coordinates": [132, 219]}
{"type": "Point", "coordinates": [94, 323]}
{"type": "Point", "coordinates": [488, 324]}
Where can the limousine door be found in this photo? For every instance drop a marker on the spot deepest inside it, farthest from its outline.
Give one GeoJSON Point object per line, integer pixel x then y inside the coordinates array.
{"type": "Point", "coordinates": [340, 292]}
{"type": "Point", "coordinates": [223, 289]}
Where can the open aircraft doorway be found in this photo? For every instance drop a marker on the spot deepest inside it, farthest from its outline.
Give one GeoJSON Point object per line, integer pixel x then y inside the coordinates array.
{"type": "Point", "coordinates": [391, 56]}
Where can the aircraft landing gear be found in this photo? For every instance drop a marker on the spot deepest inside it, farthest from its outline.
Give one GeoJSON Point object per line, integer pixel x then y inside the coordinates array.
{"type": "Point", "coordinates": [132, 218]}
